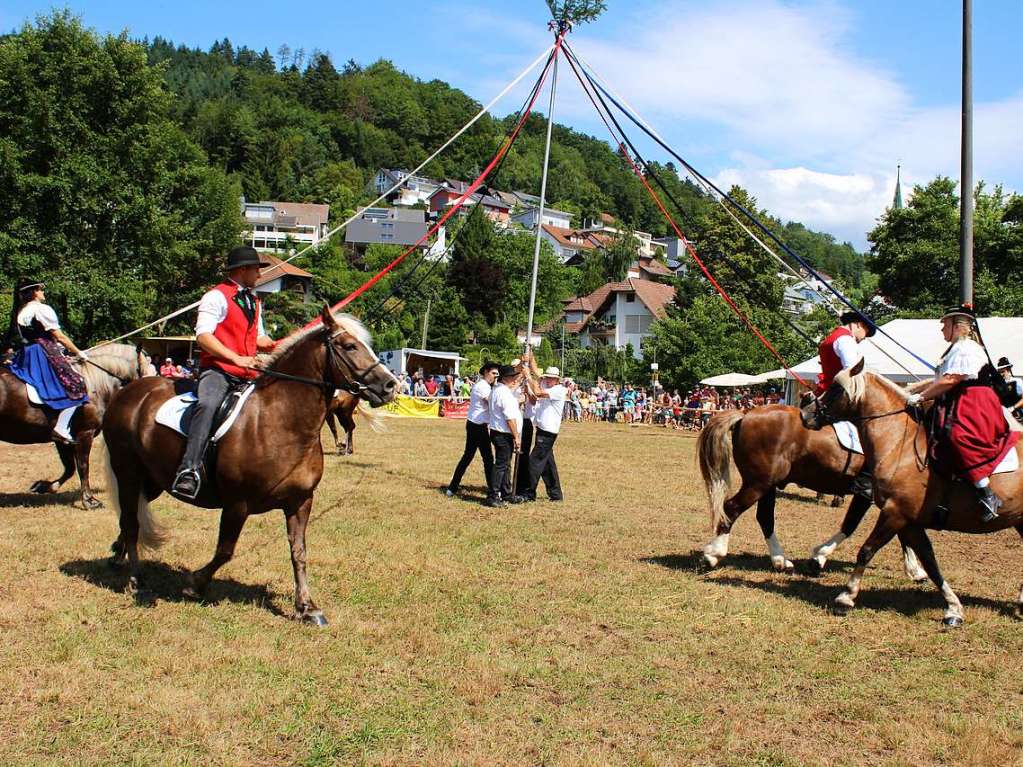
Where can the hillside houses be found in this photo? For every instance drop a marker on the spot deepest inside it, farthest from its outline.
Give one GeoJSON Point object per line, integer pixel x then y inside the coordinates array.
{"type": "Point", "coordinates": [274, 225]}
{"type": "Point", "coordinates": [618, 314]}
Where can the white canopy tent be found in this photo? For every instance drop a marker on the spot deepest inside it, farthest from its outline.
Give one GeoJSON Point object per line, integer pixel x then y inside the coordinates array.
{"type": "Point", "coordinates": [770, 375]}
{"type": "Point", "coordinates": [1002, 335]}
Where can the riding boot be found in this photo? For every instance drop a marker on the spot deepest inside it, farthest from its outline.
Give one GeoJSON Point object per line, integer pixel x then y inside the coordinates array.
{"type": "Point", "coordinates": [863, 485]}
{"type": "Point", "coordinates": [186, 483]}
{"type": "Point", "coordinates": [989, 503]}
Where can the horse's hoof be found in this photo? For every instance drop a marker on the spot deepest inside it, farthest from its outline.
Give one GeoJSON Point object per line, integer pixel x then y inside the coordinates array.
{"type": "Point", "coordinates": [315, 618]}
{"type": "Point", "coordinates": [707, 563]}
{"type": "Point", "coordinates": [952, 621]}
{"type": "Point", "coordinates": [842, 604]}
{"type": "Point", "coordinates": [42, 487]}
{"type": "Point", "coordinates": [192, 594]}
{"type": "Point", "coordinates": [814, 568]}
{"type": "Point", "coordinates": [782, 565]}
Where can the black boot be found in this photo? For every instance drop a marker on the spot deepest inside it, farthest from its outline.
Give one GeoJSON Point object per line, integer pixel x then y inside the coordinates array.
{"type": "Point", "coordinates": [186, 484]}
{"type": "Point", "coordinates": [863, 486]}
{"type": "Point", "coordinates": [989, 503]}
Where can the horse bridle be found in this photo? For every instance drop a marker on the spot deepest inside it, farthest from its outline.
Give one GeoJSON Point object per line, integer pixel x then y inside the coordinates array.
{"type": "Point", "coordinates": [824, 417]}
{"type": "Point", "coordinates": [355, 379]}
{"type": "Point", "coordinates": [123, 380]}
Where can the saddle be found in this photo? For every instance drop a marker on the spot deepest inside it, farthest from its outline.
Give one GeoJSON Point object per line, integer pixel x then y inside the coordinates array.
{"type": "Point", "coordinates": [176, 413]}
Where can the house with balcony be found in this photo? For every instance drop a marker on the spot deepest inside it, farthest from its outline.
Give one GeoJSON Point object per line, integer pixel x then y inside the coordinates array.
{"type": "Point", "coordinates": [412, 190]}
{"type": "Point", "coordinates": [528, 217]}
{"type": "Point", "coordinates": [451, 190]}
{"type": "Point", "coordinates": [284, 226]}
{"type": "Point", "coordinates": [618, 314]}
{"type": "Point", "coordinates": [281, 277]}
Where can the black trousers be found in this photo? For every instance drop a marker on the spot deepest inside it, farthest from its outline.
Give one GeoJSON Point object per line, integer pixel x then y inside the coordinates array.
{"type": "Point", "coordinates": [524, 484]}
{"type": "Point", "coordinates": [543, 466]}
{"type": "Point", "coordinates": [501, 478]}
{"type": "Point", "coordinates": [213, 387]}
{"type": "Point", "coordinates": [477, 438]}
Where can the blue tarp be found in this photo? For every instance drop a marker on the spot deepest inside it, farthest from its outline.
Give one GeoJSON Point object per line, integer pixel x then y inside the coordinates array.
{"type": "Point", "coordinates": [32, 366]}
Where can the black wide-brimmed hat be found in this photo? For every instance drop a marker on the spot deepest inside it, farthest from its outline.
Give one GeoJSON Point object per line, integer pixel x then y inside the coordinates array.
{"type": "Point", "coordinates": [963, 310]}
{"type": "Point", "coordinates": [507, 371]}
{"type": "Point", "coordinates": [245, 255]}
{"type": "Point", "coordinates": [851, 316]}
{"type": "Point", "coordinates": [1003, 363]}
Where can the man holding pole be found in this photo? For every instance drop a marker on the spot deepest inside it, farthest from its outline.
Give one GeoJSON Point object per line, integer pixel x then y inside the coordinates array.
{"type": "Point", "coordinates": [550, 396]}
{"type": "Point", "coordinates": [505, 434]}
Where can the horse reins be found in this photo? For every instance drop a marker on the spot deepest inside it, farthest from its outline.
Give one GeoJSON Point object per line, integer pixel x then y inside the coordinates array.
{"type": "Point", "coordinates": [354, 378]}
{"type": "Point", "coordinates": [122, 379]}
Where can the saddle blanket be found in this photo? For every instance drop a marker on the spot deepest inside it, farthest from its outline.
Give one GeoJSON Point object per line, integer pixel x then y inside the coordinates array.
{"type": "Point", "coordinates": [1007, 464]}
{"type": "Point", "coordinates": [33, 395]}
{"type": "Point", "coordinates": [848, 436]}
{"type": "Point", "coordinates": [176, 413]}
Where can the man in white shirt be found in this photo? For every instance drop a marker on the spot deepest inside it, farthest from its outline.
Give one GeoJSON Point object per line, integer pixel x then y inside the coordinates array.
{"type": "Point", "coordinates": [548, 413]}
{"type": "Point", "coordinates": [505, 434]}
{"type": "Point", "coordinates": [477, 429]}
{"type": "Point", "coordinates": [229, 331]}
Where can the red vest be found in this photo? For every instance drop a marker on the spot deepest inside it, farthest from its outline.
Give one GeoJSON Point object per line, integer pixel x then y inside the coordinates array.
{"type": "Point", "coordinates": [831, 365]}
{"type": "Point", "coordinates": [236, 333]}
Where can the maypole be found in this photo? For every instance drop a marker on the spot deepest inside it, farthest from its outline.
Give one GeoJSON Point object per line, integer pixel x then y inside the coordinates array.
{"type": "Point", "coordinates": [543, 196]}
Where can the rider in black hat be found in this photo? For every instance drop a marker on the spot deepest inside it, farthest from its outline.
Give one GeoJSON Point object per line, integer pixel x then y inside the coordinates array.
{"type": "Point", "coordinates": [229, 331]}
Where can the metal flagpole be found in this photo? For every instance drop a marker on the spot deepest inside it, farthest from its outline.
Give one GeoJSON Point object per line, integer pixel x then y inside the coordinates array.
{"type": "Point", "coordinates": [543, 195]}
{"type": "Point", "coordinates": [966, 170]}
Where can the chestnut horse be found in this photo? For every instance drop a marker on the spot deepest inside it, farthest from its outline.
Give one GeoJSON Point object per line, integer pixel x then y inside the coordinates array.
{"type": "Point", "coordinates": [108, 369]}
{"type": "Point", "coordinates": [770, 448]}
{"type": "Point", "coordinates": [912, 495]}
{"type": "Point", "coordinates": [343, 408]}
{"type": "Point", "coordinates": [270, 459]}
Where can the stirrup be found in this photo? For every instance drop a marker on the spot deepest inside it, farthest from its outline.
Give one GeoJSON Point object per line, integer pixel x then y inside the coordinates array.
{"type": "Point", "coordinates": [990, 503]}
{"type": "Point", "coordinates": [187, 474]}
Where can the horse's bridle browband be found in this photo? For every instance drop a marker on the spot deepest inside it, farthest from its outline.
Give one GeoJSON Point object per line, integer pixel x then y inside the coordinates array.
{"type": "Point", "coordinates": [354, 378]}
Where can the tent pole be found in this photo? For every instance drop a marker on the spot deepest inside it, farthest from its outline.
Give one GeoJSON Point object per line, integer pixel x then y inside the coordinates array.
{"type": "Point", "coordinates": [543, 194]}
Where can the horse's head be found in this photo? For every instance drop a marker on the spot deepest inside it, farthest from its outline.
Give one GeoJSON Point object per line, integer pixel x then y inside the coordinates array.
{"type": "Point", "coordinates": [838, 403]}
{"type": "Point", "coordinates": [352, 364]}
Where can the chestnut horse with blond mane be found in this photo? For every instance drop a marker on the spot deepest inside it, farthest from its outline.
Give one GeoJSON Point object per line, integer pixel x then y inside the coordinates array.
{"type": "Point", "coordinates": [270, 459]}
{"type": "Point", "coordinates": [913, 496]}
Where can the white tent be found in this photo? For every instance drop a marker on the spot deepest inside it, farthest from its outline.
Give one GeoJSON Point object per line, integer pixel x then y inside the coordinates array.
{"type": "Point", "coordinates": [730, 379]}
{"type": "Point", "coordinates": [1002, 335]}
{"type": "Point", "coordinates": [770, 375]}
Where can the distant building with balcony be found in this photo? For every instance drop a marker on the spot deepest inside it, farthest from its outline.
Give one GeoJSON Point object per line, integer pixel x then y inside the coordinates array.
{"type": "Point", "coordinates": [284, 226]}
{"type": "Point", "coordinates": [281, 277]}
{"type": "Point", "coordinates": [527, 217]}
{"type": "Point", "coordinates": [449, 192]}
{"type": "Point", "coordinates": [412, 189]}
{"type": "Point", "coordinates": [618, 314]}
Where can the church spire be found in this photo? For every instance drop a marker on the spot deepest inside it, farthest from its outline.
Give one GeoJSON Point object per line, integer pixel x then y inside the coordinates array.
{"type": "Point", "coordinates": [897, 201]}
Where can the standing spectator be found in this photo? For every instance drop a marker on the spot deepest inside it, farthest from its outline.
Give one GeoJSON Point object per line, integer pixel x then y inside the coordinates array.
{"type": "Point", "coordinates": [477, 429]}
{"type": "Point", "coordinates": [549, 411]}
{"type": "Point", "coordinates": [465, 387]}
{"type": "Point", "coordinates": [505, 435]}
{"type": "Point", "coordinates": [419, 388]}
{"type": "Point", "coordinates": [629, 403]}
{"type": "Point", "coordinates": [431, 386]}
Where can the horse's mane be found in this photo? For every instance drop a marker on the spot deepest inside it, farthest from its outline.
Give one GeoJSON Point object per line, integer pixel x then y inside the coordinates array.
{"type": "Point", "coordinates": [347, 321]}
{"type": "Point", "coordinates": [119, 359]}
{"type": "Point", "coordinates": [856, 386]}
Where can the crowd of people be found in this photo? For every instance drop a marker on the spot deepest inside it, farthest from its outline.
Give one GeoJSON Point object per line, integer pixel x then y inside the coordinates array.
{"type": "Point", "coordinates": [186, 370]}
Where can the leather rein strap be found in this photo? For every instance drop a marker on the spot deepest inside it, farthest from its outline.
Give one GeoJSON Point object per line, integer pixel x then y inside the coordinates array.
{"type": "Point", "coordinates": [354, 378]}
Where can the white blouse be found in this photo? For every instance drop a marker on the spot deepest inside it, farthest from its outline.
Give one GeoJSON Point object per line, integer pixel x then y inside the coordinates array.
{"type": "Point", "coordinates": [36, 310]}
{"type": "Point", "coordinates": [965, 358]}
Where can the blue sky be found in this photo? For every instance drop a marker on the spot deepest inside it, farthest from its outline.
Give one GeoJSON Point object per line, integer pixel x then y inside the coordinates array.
{"type": "Point", "coordinates": [808, 104]}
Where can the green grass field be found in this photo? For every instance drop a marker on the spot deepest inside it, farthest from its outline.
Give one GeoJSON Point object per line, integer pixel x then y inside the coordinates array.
{"type": "Point", "coordinates": [564, 634]}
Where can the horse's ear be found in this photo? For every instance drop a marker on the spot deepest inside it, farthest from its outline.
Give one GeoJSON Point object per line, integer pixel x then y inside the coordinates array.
{"type": "Point", "coordinates": [856, 369]}
{"type": "Point", "coordinates": [327, 317]}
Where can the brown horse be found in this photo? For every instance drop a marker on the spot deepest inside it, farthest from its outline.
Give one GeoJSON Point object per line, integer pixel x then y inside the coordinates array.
{"type": "Point", "coordinates": [270, 459]}
{"type": "Point", "coordinates": [911, 494]}
{"type": "Point", "coordinates": [343, 408]}
{"type": "Point", "coordinates": [21, 422]}
{"type": "Point", "coordinates": [770, 448]}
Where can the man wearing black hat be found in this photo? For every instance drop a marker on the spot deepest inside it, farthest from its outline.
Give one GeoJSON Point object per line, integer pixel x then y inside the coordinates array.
{"type": "Point", "coordinates": [229, 331]}
{"type": "Point", "coordinates": [1005, 368]}
{"type": "Point", "coordinates": [838, 351]}
{"type": "Point", "coordinates": [506, 435]}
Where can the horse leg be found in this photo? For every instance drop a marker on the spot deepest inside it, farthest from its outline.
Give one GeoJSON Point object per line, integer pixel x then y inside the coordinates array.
{"type": "Point", "coordinates": [765, 518]}
{"type": "Point", "coordinates": [333, 431]}
{"type": "Point", "coordinates": [882, 533]}
{"type": "Point", "coordinates": [1019, 598]}
{"type": "Point", "coordinates": [296, 518]}
{"type": "Point", "coordinates": [82, 451]}
{"type": "Point", "coordinates": [350, 440]}
{"type": "Point", "coordinates": [853, 516]}
{"type": "Point", "coordinates": [67, 458]}
{"type": "Point", "coordinates": [717, 548]}
{"type": "Point", "coordinates": [916, 537]}
{"type": "Point", "coordinates": [127, 543]}
{"type": "Point", "coordinates": [232, 520]}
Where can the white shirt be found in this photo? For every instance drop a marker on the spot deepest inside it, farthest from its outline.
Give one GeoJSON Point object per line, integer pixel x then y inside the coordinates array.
{"type": "Point", "coordinates": [479, 403]}
{"type": "Point", "coordinates": [551, 409]}
{"type": "Point", "coordinates": [213, 311]}
{"type": "Point", "coordinates": [37, 310]}
{"type": "Point", "coordinates": [848, 351]}
{"type": "Point", "coordinates": [965, 358]}
{"type": "Point", "coordinates": [504, 407]}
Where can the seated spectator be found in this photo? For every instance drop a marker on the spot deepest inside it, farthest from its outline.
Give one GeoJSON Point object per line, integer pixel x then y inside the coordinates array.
{"type": "Point", "coordinates": [168, 369]}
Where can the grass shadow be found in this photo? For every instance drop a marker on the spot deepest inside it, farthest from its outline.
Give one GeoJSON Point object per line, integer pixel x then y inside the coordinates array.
{"type": "Point", "coordinates": [166, 583]}
{"type": "Point", "coordinates": [906, 601]}
{"type": "Point", "coordinates": [38, 500]}
{"type": "Point", "coordinates": [694, 562]}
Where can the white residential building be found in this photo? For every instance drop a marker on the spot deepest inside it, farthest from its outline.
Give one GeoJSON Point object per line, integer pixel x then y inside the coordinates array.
{"type": "Point", "coordinates": [527, 217]}
{"type": "Point", "coordinates": [271, 225]}
{"type": "Point", "coordinates": [413, 189]}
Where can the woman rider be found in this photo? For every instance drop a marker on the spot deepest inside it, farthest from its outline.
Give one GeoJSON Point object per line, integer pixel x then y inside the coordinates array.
{"type": "Point", "coordinates": [973, 433]}
{"type": "Point", "coordinates": [41, 361]}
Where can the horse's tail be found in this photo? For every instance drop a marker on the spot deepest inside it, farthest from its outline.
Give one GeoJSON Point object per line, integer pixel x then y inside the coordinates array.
{"type": "Point", "coordinates": [374, 420]}
{"type": "Point", "coordinates": [714, 448]}
{"type": "Point", "coordinates": [152, 535]}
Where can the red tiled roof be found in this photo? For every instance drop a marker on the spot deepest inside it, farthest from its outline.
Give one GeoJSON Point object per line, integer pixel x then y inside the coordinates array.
{"type": "Point", "coordinates": [654, 266]}
{"type": "Point", "coordinates": [573, 238]}
{"type": "Point", "coordinates": [278, 268]}
{"type": "Point", "coordinates": [306, 214]}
